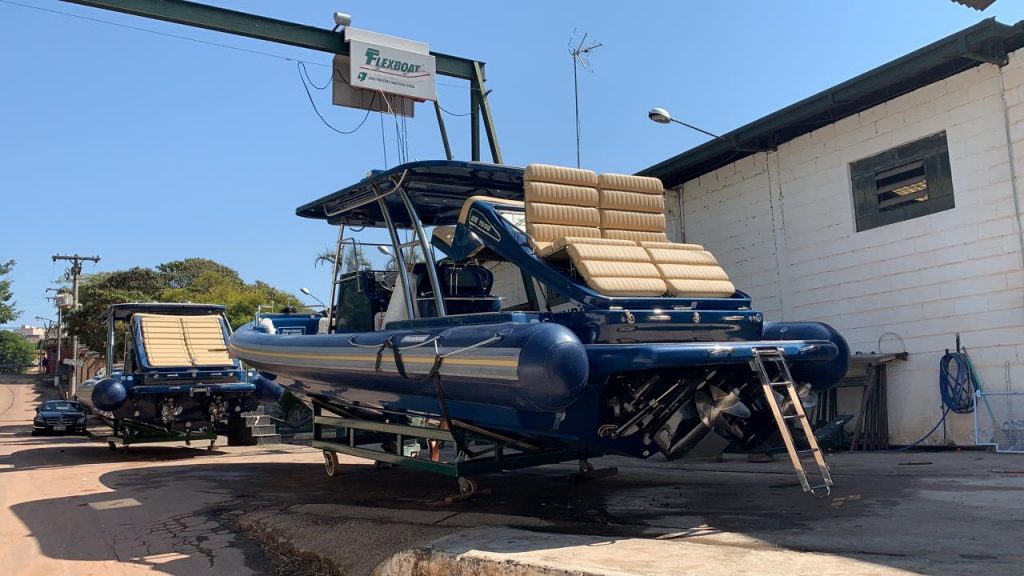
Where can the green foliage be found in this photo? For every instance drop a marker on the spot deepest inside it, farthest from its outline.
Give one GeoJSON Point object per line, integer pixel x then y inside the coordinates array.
{"type": "Point", "coordinates": [97, 291]}
{"type": "Point", "coordinates": [353, 259]}
{"type": "Point", "coordinates": [191, 280]}
{"type": "Point", "coordinates": [183, 273]}
{"type": "Point", "coordinates": [16, 353]}
{"type": "Point", "coordinates": [8, 312]}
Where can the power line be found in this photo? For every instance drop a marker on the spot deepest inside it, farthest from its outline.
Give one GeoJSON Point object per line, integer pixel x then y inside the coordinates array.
{"type": "Point", "coordinates": [158, 33]}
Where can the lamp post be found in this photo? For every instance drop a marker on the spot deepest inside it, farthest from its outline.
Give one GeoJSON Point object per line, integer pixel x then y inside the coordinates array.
{"type": "Point", "coordinates": [313, 296]}
{"type": "Point", "coordinates": [661, 116]}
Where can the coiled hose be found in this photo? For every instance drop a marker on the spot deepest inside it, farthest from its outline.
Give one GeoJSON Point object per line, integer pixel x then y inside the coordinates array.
{"type": "Point", "coordinates": [957, 385]}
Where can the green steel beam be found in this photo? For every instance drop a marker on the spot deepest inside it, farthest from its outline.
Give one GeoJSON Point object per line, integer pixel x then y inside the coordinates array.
{"type": "Point", "coordinates": [259, 27]}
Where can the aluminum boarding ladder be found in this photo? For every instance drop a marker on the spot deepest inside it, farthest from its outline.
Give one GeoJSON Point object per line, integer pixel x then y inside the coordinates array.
{"type": "Point", "coordinates": [783, 379]}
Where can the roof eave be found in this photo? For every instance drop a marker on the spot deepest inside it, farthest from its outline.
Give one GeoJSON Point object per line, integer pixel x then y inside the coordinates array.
{"type": "Point", "coordinates": [987, 41]}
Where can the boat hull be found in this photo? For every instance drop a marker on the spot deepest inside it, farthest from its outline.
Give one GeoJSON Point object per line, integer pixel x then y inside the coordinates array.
{"type": "Point", "coordinates": [534, 379]}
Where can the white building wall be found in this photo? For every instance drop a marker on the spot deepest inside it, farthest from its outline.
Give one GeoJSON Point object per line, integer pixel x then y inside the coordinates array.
{"type": "Point", "coordinates": [782, 225]}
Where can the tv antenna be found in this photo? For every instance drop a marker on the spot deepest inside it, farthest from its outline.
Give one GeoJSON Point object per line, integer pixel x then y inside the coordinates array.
{"type": "Point", "coordinates": [580, 52]}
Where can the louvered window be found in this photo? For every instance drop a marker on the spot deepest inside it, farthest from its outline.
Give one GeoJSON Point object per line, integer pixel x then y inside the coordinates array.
{"type": "Point", "coordinates": [906, 182]}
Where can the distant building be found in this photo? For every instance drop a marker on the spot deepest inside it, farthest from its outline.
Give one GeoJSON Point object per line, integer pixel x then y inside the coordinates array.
{"type": "Point", "coordinates": [30, 333]}
{"type": "Point", "coordinates": [889, 206]}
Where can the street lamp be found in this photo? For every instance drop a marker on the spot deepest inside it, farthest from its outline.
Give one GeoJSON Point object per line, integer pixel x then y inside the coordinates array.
{"type": "Point", "coordinates": [661, 116]}
{"type": "Point", "coordinates": [313, 296]}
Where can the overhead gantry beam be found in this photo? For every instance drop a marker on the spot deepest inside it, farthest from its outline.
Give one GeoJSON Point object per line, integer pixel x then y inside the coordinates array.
{"type": "Point", "coordinates": [299, 35]}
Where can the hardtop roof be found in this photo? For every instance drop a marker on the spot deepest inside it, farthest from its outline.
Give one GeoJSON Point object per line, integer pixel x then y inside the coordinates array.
{"type": "Point", "coordinates": [436, 188]}
{"type": "Point", "coordinates": [125, 310]}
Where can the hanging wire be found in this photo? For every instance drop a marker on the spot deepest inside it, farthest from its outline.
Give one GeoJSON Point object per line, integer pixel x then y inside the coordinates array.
{"type": "Point", "coordinates": [448, 112]}
{"type": "Point", "coordinates": [383, 142]}
{"type": "Point", "coordinates": [303, 78]}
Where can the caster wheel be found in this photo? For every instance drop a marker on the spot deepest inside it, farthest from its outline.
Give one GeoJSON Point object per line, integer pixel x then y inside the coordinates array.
{"type": "Point", "coordinates": [467, 486]}
{"type": "Point", "coordinates": [330, 463]}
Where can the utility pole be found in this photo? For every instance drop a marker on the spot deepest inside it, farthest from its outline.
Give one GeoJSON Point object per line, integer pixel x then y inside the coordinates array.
{"type": "Point", "coordinates": [76, 271]}
{"type": "Point", "coordinates": [56, 362]}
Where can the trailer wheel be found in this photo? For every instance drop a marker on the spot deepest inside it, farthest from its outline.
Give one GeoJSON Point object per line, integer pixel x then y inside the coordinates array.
{"type": "Point", "coordinates": [330, 463]}
{"type": "Point", "coordinates": [467, 486]}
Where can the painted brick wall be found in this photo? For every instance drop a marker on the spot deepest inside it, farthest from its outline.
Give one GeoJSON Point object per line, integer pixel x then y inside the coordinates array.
{"type": "Point", "coordinates": [782, 225]}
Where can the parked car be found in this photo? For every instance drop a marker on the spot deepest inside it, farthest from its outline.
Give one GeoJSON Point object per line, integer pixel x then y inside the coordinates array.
{"type": "Point", "coordinates": [60, 416]}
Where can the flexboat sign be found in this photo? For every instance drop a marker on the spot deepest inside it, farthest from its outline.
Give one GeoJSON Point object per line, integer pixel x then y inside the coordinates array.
{"type": "Point", "coordinates": [391, 65]}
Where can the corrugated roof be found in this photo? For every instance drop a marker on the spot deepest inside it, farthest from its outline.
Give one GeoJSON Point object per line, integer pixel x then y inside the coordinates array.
{"type": "Point", "coordinates": [987, 41]}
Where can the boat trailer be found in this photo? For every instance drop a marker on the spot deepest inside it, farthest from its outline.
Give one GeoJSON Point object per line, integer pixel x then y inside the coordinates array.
{"type": "Point", "coordinates": [459, 450]}
{"type": "Point", "coordinates": [125, 433]}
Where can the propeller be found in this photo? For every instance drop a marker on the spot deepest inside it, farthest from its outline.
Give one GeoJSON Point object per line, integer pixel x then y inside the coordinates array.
{"type": "Point", "coordinates": [711, 408]}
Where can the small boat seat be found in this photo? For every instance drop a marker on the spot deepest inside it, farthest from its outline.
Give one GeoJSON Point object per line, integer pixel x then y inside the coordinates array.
{"type": "Point", "coordinates": [171, 341]}
{"type": "Point", "coordinates": [466, 289]}
{"type": "Point", "coordinates": [633, 208]}
{"type": "Point", "coordinates": [442, 237]}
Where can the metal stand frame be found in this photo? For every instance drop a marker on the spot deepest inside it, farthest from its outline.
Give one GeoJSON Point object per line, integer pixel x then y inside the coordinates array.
{"type": "Point", "coordinates": [478, 451]}
{"type": "Point", "coordinates": [125, 433]}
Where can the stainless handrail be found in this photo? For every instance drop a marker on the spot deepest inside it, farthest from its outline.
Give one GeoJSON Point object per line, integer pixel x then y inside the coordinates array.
{"type": "Point", "coordinates": [399, 257]}
{"type": "Point", "coordinates": [428, 254]}
{"type": "Point", "coordinates": [334, 276]}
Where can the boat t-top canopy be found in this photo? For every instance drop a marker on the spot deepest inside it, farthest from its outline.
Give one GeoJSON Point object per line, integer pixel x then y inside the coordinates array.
{"type": "Point", "coordinates": [125, 310]}
{"type": "Point", "coordinates": [437, 190]}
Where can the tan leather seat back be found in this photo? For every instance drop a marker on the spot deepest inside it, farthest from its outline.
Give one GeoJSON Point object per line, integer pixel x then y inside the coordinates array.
{"type": "Point", "coordinates": [632, 208]}
{"type": "Point", "coordinates": [560, 202]}
{"type": "Point", "coordinates": [183, 341]}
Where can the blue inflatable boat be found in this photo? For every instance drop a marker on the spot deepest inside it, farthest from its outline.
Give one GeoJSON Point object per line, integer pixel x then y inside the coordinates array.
{"type": "Point", "coordinates": [175, 379]}
{"type": "Point", "coordinates": [547, 316]}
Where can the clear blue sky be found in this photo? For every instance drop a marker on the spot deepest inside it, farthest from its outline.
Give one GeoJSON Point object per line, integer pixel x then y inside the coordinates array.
{"type": "Point", "coordinates": [144, 149]}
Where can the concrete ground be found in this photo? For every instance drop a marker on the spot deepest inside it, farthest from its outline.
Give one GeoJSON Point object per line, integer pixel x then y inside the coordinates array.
{"type": "Point", "coordinates": [70, 506]}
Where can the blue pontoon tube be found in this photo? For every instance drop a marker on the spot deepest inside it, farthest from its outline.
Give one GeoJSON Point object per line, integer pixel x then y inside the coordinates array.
{"type": "Point", "coordinates": [547, 313]}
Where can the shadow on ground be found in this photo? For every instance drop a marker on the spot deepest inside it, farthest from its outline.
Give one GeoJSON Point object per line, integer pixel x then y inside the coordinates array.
{"type": "Point", "coordinates": [665, 502]}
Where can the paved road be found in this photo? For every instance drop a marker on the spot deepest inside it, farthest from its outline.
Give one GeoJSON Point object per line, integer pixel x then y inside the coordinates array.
{"type": "Point", "coordinates": [59, 514]}
{"type": "Point", "coordinates": [70, 506]}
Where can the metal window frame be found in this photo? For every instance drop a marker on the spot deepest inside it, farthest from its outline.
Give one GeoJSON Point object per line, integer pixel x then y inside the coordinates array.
{"type": "Point", "coordinates": [932, 151]}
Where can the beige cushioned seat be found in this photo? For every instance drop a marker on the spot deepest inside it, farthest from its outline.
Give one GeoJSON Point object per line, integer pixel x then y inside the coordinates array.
{"type": "Point", "coordinates": [617, 270]}
{"type": "Point", "coordinates": [612, 227]}
{"type": "Point", "coordinates": [173, 341]}
{"type": "Point", "coordinates": [563, 221]}
{"type": "Point", "coordinates": [633, 208]}
{"type": "Point", "coordinates": [444, 233]}
{"type": "Point", "coordinates": [560, 203]}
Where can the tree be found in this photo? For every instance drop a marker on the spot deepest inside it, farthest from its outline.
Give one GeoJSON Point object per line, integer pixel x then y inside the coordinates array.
{"type": "Point", "coordinates": [191, 280]}
{"type": "Point", "coordinates": [98, 291]}
{"type": "Point", "coordinates": [16, 353]}
{"type": "Point", "coordinates": [8, 312]}
{"type": "Point", "coordinates": [183, 273]}
{"type": "Point", "coordinates": [354, 259]}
